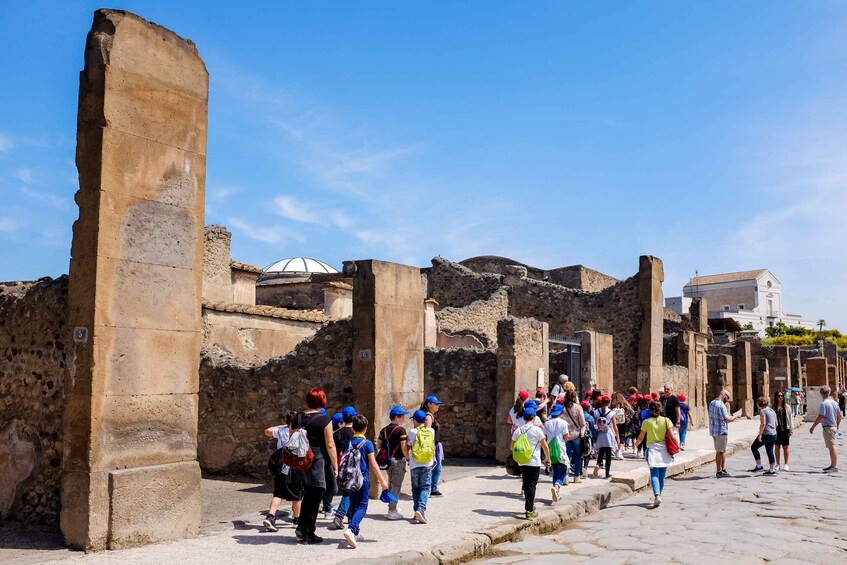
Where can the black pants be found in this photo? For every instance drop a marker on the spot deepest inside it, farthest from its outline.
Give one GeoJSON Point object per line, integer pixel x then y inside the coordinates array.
{"type": "Point", "coordinates": [309, 510]}
{"type": "Point", "coordinates": [529, 476]}
{"type": "Point", "coordinates": [605, 452]}
{"type": "Point", "coordinates": [768, 442]}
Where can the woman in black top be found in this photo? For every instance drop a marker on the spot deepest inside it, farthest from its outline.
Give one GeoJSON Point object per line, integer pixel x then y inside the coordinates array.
{"type": "Point", "coordinates": [784, 429]}
{"type": "Point", "coordinates": [321, 475]}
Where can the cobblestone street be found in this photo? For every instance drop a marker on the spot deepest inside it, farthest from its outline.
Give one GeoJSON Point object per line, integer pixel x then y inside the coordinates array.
{"type": "Point", "coordinates": [796, 517]}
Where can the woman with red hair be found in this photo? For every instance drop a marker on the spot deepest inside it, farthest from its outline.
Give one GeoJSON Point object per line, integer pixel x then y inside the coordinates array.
{"type": "Point", "coordinates": [320, 476]}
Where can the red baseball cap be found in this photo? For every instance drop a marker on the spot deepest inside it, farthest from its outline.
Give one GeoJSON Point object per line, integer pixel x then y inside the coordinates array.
{"type": "Point", "coordinates": [523, 395]}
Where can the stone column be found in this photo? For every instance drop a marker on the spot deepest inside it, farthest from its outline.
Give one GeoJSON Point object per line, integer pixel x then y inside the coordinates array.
{"type": "Point", "coordinates": [597, 352]}
{"type": "Point", "coordinates": [388, 343]}
{"type": "Point", "coordinates": [430, 323]}
{"type": "Point", "coordinates": [651, 274]}
{"type": "Point", "coordinates": [130, 424]}
{"type": "Point", "coordinates": [522, 350]}
{"type": "Point", "coordinates": [779, 368]}
{"type": "Point", "coordinates": [816, 371]}
{"type": "Point", "coordinates": [217, 278]}
{"type": "Point", "coordinates": [742, 392]}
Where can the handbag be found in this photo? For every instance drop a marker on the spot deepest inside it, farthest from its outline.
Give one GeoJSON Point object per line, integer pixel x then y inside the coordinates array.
{"type": "Point", "coordinates": [584, 440]}
{"type": "Point", "coordinates": [670, 440]}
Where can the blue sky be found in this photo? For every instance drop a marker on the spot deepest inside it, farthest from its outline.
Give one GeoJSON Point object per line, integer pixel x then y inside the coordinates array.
{"type": "Point", "coordinates": [709, 134]}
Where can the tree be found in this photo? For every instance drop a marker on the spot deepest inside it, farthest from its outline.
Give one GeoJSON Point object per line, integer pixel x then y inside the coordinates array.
{"type": "Point", "coordinates": [821, 324]}
{"type": "Point", "coordinates": [748, 326]}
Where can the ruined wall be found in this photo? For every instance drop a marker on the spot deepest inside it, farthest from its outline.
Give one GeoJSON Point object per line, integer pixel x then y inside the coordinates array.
{"type": "Point", "coordinates": [33, 320]}
{"type": "Point", "coordinates": [479, 318]}
{"type": "Point", "coordinates": [464, 380]}
{"type": "Point", "coordinates": [578, 276]}
{"type": "Point", "coordinates": [615, 311]}
{"type": "Point", "coordinates": [238, 400]}
{"type": "Point", "coordinates": [493, 264]}
{"type": "Point", "coordinates": [677, 375]}
{"type": "Point", "coordinates": [454, 285]}
{"type": "Point", "coordinates": [298, 296]}
{"type": "Point", "coordinates": [217, 279]}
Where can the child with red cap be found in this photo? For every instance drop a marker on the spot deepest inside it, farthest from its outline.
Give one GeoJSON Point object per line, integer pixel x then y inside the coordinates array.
{"type": "Point", "coordinates": [684, 417]}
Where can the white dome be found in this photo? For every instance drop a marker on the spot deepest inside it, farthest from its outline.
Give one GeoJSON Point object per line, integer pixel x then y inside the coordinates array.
{"type": "Point", "coordinates": [299, 265]}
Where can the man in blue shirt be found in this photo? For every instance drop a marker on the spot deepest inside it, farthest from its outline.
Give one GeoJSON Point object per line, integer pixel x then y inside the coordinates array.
{"type": "Point", "coordinates": [830, 418]}
{"type": "Point", "coordinates": [718, 419]}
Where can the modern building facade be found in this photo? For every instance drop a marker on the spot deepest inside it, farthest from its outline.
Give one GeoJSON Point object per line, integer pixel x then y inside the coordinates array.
{"type": "Point", "coordinates": [748, 297]}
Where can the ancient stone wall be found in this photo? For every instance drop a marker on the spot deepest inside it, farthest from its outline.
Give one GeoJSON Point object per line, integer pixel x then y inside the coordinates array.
{"type": "Point", "coordinates": [464, 380]}
{"type": "Point", "coordinates": [33, 323]}
{"type": "Point", "coordinates": [297, 296]}
{"type": "Point", "coordinates": [454, 285]}
{"type": "Point", "coordinates": [239, 400]}
{"type": "Point", "coordinates": [479, 318]}
{"type": "Point", "coordinates": [217, 279]}
{"type": "Point", "coordinates": [615, 311]}
{"type": "Point", "coordinates": [493, 264]}
{"type": "Point", "coordinates": [578, 276]}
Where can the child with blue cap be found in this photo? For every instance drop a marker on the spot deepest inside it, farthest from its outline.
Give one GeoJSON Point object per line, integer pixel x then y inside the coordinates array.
{"type": "Point", "coordinates": [421, 445]}
{"type": "Point", "coordinates": [530, 438]}
{"type": "Point", "coordinates": [341, 437]}
{"type": "Point", "coordinates": [367, 464]}
{"type": "Point", "coordinates": [392, 455]}
{"type": "Point", "coordinates": [430, 406]}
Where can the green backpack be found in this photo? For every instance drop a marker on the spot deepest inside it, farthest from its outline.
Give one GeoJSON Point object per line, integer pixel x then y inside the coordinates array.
{"type": "Point", "coordinates": [555, 450]}
{"type": "Point", "coordinates": [522, 451]}
{"type": "Point", "coordinates": [423, 448]}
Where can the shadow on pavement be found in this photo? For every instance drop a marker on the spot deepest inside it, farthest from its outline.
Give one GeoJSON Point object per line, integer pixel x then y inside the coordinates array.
{"type": "Point", "coordinates": [498, 513]}
{"type": "Point", "coordinates": [501, 493]}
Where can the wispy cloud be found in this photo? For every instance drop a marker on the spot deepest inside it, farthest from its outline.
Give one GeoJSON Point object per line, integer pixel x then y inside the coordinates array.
{"type": "Point", "coordinates": [220, 194]}
{"type": "Point", "coordinates": [9, 225]}
{"type": "Point", "coordinates": [265, 234]}
{"type": "Point", "coordinates": [300, 211]}
{"type": "Point", "coordinates": [24, 175]}
{"type": "Point", "coordinates": [6, 143]}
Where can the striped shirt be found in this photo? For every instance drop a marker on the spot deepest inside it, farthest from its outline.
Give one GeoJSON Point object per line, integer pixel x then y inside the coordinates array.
{"type": "Point", "coordinates": [717, 418]}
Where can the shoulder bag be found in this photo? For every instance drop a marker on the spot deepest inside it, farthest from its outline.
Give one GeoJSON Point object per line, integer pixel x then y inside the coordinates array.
{"type": "Point", "coordinates": [670, 440]}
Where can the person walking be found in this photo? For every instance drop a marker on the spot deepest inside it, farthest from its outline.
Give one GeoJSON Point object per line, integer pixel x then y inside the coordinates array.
{"type": "Point", "coordinates": [830, 418]}
{"type": "Point", "coordinates": [576, 420]}
{"type": "Point", "coordinates": [341, 437]}
{"type": "Point", "coordinates": [795, 402]}
{"type": "Point", "coordinates": [367, 462]}
{"type": "Point", "coordinates": [670, 403]}
{"type": "Point", "coordinates": [719, 419]}
{"type": "Point", "coordinates": [283, 490]}
{"type": "Point", "coordinates": [530, 443]}
{"type": "Point", "coordinates": [653, 432]}
{"type": "Point", "coordinates": [766, 437]}
{"type": "Point", "coordinates": [515, 416]}
{"type": "Point", "coordinates": [684, 418]}
{"type": "Point", "coordinates": [623, 412]}
{"type": "Point", "coordinates": [784, 430]}
{"type": "Point", "coordinates": [430, 406]}
{"type": "Point", "coordinates": [558, 390]}
{"type": "Point", "coordinates": [556, 433]}
{"type": "Point", "coordinates": [589, 438]}
{"type": "Point", "coordinates": [607, 435]}
{"type": "Point", "coordinates": [421, 460]}
{"type": "Point", "coordinates": [325, 464]}
{"type": "Point", "coordinates": [392, 442]}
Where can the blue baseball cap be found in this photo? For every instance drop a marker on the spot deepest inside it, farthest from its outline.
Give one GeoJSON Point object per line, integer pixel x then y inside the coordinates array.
{"type": "Point", "coordinates": [348, 411]}
{"type": "Point", "coordinates": [397, 411]}
{"type": "Point", "coordinates": [530, 405]}
{"type": "Point", "coordinates": [528, 413]}
{"type": "Point", "coordinates": [556, 410]}
{"type": "Point", "coordinates": [432, 399]}
{"type": "Point", "coordinates": [419, 416]}
{"type": "Point", "coordinates": [323, 412]}
{"type": "Point", "coordinates": [387, 496]}
{"type": "Point", "coordinates": [337, 418]}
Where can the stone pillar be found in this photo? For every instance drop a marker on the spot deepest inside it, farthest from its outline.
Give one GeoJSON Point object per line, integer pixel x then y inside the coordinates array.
{"type": "Point", "coordinates": [597, 352]}
{"type": "Point", "coordinates": [742, 392]}
{"type": "Point", "coordinates": [651, 274]}
{"type": "Point", "coordinates": [130, 423]}
{"type": "Point", "coordinates": [217, 278]}
{"type": "Point", "coordinates": [813, 402]}
{"type": "Point", "coordinates": [522, 350]}
{"type": "Point", "coordinates": [779, 368]}
{"type": "Point", "coordinates": [388, 343]}
{"type": "Point", "coordinates": [699, 312]}
{"type": "Point", "coordinates": [816, 371]}
{"type": "Point", "coordinates": [338, 300]}
{"type": "Point", "coordinates": [430, 323]}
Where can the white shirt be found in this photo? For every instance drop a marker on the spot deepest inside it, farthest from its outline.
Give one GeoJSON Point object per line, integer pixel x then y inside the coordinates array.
{"type": "Point", "coordinates": [534, 434]}
{"type": "Point", "coordinates": [282, 435]}
{"type": "Point", "coordinates": [518, 421]}
{"type": "Point", "coordinates": [410, 441]}
{"type": "Point", "coordinates": [556, 427]}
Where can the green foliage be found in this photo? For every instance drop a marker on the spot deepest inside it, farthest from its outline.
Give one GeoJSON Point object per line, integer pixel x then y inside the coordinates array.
{"type": "Point", "coordinates": [797, 330]}
{"type": "Point", "coordinates": [790, 340]}
{"type": "Point", "coordinates": [809, 337]}
{"type": "Point", "coordinates": [747, 326]}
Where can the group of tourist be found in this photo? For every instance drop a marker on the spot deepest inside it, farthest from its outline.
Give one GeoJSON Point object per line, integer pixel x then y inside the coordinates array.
{"type": "Point", "coordinates": [320, 456]}
{"type": "Point", "coordinates": [336, 457]}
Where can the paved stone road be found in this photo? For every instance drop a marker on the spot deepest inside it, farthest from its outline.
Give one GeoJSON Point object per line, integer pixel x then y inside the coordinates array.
{"type": "Point", "coordinates": [799, 516]}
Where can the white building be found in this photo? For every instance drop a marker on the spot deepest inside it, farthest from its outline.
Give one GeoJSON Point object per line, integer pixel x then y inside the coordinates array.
{"type": "Point", "coordinates": [748, 297]}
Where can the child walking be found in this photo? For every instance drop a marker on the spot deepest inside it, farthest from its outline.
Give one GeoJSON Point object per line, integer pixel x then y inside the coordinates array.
{"type": "Point", "coordinates": [556, 432]}
{"type": "Point", "coordinates": [528, 442]}
{"type": "Point", "coordinates": [359, 498]}
{"type": "Point", "coordinates": [421, 461]}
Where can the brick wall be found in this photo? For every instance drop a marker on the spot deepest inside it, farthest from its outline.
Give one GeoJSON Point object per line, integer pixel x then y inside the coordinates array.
{"type": "Point", "coordinates": [33, 333]}
{"type": "Point", "coordinates": [238, 400]}
{"type": "Point", "coordinates": [465, 381]}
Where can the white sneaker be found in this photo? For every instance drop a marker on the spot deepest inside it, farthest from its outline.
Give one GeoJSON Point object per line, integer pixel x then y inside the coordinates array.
{"type": "Point", "coordinates": [785, 468]}
{"type": "Point", "coordinates": [394, 515]}
{"type": "Point", "coordinates": [555, 492]}
{"type": "Point", "coordinates": [657, 500]}
{"type": "Point", "coordinates": [420, 517]}
{"type": "Point", "coordinates": [351, 538]}
{"type": "Point", "coordinates": [577, 480]}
